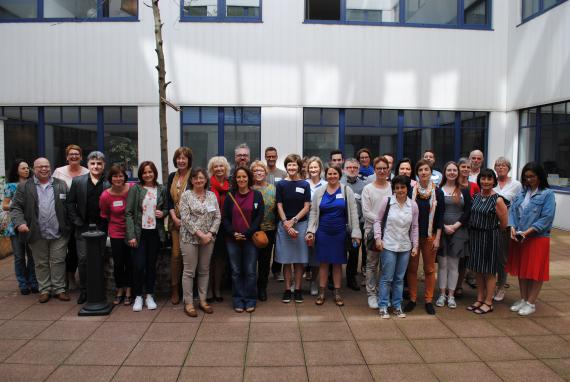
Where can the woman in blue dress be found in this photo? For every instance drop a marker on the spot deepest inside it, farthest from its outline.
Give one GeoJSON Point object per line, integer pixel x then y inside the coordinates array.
{"type": "Point", "coordinates": [333, 216]}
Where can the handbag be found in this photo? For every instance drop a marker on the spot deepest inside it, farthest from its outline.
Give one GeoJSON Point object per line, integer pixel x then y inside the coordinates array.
{"type": "Point", "coordinates": [259, 238]}
{"type": "Point", "coordinates": [370, 241]}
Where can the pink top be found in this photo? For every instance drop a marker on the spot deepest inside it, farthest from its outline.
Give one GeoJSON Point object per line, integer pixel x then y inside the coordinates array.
{"type": "Point", "coordinates": [113, 209]}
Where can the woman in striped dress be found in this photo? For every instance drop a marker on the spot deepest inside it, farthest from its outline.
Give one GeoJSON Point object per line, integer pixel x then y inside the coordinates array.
{"type": "Point", "coordinates": [488, 218]}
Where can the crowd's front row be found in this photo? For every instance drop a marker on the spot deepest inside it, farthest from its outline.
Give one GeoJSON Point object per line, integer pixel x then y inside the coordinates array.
{"type": "Point", "coordinates": [308, 222]}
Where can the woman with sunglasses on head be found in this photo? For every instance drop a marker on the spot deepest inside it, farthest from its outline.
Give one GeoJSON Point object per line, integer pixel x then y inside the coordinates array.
{"type": "Point", "coordinates": [530, 217]}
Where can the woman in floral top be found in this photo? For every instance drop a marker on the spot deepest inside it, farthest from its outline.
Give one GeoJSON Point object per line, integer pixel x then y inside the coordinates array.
{"type": "Point", "coordinates": [25, 272]}
{"type": "Point", "coordinates": [146, 208]}
{"type": "Point", "coordinates": [259, 170]}
{"type": "Point", "coordinates": [200, 217]}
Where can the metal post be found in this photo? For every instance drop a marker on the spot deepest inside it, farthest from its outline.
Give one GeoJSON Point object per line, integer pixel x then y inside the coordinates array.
{"type": "Point", "coordinates": [97, 304]}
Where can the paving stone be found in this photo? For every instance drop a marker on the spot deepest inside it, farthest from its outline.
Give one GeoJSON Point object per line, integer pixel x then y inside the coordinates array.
{"type": "Point", "coordinates": [465, 372]}
{"type": "Point", "coordinates": [215, 354]}
{"type": "Point", "coordinates": [274, 331]}
{"type": "Point", "coordinates": [325, 331]}
{"type": "Point", "coordinates": [444, 350]}
{"type": "Point", "coordinates": [530, 370]}
{"type": "Point", "coordinates": [66, 373]}
{"type": "Point", "coordinates": [24, 373]}
{"type": "Point", "coordinates": [69, 330]}
{"type": "Point", "coordinates": [519, 326]}
{"type": "Point", "coordinates": [402, 373]}
{"type": "Point", "coordinates": [339, 373]}
{"type": "Point", "coordinates": [275, 354]}
{"type": "Point", "coordinates": [119, 331]}
{"type": "Point", "coordinates": [7, 347]}
{"type": "Point", "coordinates": [209, 374]}
{"type": "Point", "coordinates": [473, 328]}
{"type": "Point", "coordinates": [16, 329]}
{"type": "Point", "coordinates": [169, 331]}
{"type": "Point", "coordinates": [147, 374]}
{"type": "Point", "coordinates": [497, 348]}
{"type": "Point", "coordinates": [377, 329]}
{"type": "Point", "coordinates": [389, 351]}
{"type": "Point", "coordinates": [101, 353]}
{"type": "Point", "coordinates": [158, 353]}
{"type": "Point", "coordinates": [223, 331]}
{"type": "Point", "coordinates": [276, 374]}
{"type": "Point", "coordinates": [545, 346]}
{"type": "Point", "coordinates": [42, 352]}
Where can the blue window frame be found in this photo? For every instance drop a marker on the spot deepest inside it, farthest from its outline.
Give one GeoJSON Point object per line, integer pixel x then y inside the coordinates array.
{"type": "Point", "coordinates": [531, 9]}
{"type": "Point", "coordinates": [544, 137]}
{"type": "Point", "coordinates": [68, 10]}
{"type": "Point", "coordinates": [212, 131]}
{"type": "Point", "coordinates": [242, 11]}
{"type": "Point", "coordinates": [462, 14]}
{"type": "Point", "coordinates": [30, 132]}
{"type": "Point", "coordinates": [402, 132]}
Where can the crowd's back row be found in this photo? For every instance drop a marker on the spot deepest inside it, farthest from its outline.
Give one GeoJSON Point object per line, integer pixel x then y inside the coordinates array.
{"type": "Point", "coordinates": [312, 226]}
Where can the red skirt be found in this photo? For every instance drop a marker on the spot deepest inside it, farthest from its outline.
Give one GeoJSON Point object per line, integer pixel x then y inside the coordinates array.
{"type": "Point", "coordinates": [530, 259]}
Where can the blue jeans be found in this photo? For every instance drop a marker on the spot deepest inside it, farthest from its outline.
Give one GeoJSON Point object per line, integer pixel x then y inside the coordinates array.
{"type": "Point", "coordinates": [25, 271]}
{"type": "Point", "coordinates": [243, 264]}
{"type": "Point", "coordinates": [394, 265]}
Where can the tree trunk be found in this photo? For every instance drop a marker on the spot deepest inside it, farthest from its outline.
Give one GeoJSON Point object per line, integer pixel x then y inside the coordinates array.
{"type": "Point", "coordinates": [162, 84]}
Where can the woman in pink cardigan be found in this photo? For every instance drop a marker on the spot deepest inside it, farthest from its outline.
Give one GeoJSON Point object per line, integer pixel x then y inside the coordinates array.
{"type": "Point", "coordinates": [396, 235]}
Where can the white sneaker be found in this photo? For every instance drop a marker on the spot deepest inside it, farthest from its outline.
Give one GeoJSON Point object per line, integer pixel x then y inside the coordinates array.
{"type": "Point", "coordinates": [150, 304]}
{"type": "Point", "coordinates": [279, 277]}
{"type": "Point", "coordinates": [500, 295]}
{"type": "Point", "coordinates": [399, 313]}
{"type": "Point", "coordinates": [440, 301]}
{"type": "Point", "coordinates": [451, 302]}
{"type": "Point", "coordinates": [384, 313]}
{"type": "Point", "coordinates": [314, 288]}
{"type": "Point", "coordinates": [373, 302]}
{"type": "Point", "coordinates": [527, 309]}
{"type": "Point", "coordinates": [138, 305]}
{"type": "Point", "coordinates": [518, 305]}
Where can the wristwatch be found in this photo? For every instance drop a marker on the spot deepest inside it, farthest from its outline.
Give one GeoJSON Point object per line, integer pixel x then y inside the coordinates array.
{"type": "Point", "coordinates": [295, 220]}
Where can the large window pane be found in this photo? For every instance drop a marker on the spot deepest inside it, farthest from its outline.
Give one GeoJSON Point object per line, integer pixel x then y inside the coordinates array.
{"type": "Point", "coordinates": [242, 8]}
{"type": "Point", "coordinates": [320, 141]}
{"type": "Point", "coordinates": [373, 10]}
{"type": "Point", "coordinates": [378, 140]}
{"type": "Point", "coordinates": [555, 153]}
{"type": "Point", "coordinates": [18, 9]}
{"type": "Point", "coordinates": [120, 8]}
{"type": "Point", "coordinates": [416, 141]}
{"type": "Point", "coordinates": [530, 7]}
{"type": "Point", "coordinates": [70, 9]}
{"type": "Point", "coordinates": [59, 136]}
{"type": "Point", "coordinates": [203, 139]}
{"type": "Point", "coordinates": [20, 141]}
{"type": "Point", "coordinates": [411, 118]}
{"type": "Point", "coordinates": [322, 9]}
{"type": "Point", "coordinates": [439, 12]}
{"type": "Point", "coordinates": [121, 147]}
{"type": "Point", "coordinates": [475, 12]}
{"type": "Point", "coordinates": [527, 139]}
{"type": "Point", "coordinates": [390, 118]}
{"type": "Point", "coordinates": [235, 135]}
{"type": "Point", "coordinates": [472, 139]}
{"type": "Point", "coordinates": [201, 8]}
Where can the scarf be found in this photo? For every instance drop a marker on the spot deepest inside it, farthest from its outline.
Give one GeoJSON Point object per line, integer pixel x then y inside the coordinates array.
{"type": "Point", "coordinates": [220, 190]}
{"type": "Point", "coordinates": [178, 187]}
{"type": "Point", "coordinates": [427, 193]}
{"type": "Point", "coordinates": [366, 171]}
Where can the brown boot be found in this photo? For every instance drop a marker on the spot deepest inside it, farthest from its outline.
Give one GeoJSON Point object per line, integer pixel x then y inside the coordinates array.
{"type": "Point", "coordinates": [174, 295]}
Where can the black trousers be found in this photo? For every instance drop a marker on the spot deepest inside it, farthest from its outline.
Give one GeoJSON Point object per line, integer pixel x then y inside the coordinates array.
{"type": "Point", "coordinates": [144, 262]}
{"type": "Point", "coordinates": [263, 261]}
{"type": "Point", "coordinates": [121, 263]}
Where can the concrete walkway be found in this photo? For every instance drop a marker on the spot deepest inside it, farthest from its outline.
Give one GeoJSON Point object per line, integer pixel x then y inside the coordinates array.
{"type": "Point", "coordinates": [293, 342]}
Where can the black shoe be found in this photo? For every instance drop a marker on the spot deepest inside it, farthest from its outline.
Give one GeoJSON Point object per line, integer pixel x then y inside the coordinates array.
{"type": "Point", "coordinates": [411, 305]}
{"type": "Point", "coordinates": [429, 308]}
{"type": "Point", "coordinates": [352, 284]}
{"type": "Point", "coordinates": [262, 295]}
{"type": "Point", "coordinates": [82, 298]}
{"type": "Point", "coordinates": [35, 290]}
{"type": "Point", "coordinates": [298, 296]}
{"type": "Point", "coordinates": [210, 300]}
{"type": "Point", "coordinates": [25, 291]}
{"type": "Point", "coordinates": [286, 296]}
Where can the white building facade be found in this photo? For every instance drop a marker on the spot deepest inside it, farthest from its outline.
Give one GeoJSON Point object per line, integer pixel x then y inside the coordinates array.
{"type": "Point", "coordinates": [304, 76]}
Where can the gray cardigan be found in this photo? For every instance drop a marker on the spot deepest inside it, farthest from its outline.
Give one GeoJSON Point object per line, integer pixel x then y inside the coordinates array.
{"type": "Point", "coordinates": [348, 194]}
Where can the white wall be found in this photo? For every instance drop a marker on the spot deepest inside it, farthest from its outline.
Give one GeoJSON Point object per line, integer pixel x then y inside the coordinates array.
{"type": "Point", "coordinates": [279, 62]}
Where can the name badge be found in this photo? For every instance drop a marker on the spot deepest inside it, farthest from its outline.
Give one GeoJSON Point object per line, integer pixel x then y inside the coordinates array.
{"type": "Point", "coordinates": [255, 205]}
{"type": "Point", "coordinates": [339, 196]}
{"type": "Point", "coordinates": [211, 208]}
{"type": "Point", "coordinates": [63, 196]}
{"type": "Point", "coordinates": [357, 196]}
{"type": "Point", "coordinates": [278, 179]}
{"type": "Point", "coordinates": [300, 190]}
{"type": "Point", "coordinates": [118, 203]}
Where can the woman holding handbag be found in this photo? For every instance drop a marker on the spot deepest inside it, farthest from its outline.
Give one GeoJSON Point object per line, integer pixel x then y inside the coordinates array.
{"type": "Point", "coordinates": [243, 211]}
{"type": "Point", "coordinates": [333, 214]}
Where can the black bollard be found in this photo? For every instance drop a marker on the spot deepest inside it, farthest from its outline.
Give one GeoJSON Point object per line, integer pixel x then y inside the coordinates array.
{"type": "Point", "coordinates": [97, 304]}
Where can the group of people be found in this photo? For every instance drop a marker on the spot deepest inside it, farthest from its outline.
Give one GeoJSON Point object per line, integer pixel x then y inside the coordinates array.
{"type": "Point", "coordinates": [313, 220]}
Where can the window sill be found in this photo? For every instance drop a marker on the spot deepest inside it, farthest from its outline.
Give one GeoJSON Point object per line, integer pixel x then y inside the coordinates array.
{"type": "Point", "coordinates": [63, 20]}
{"type": "Point", "coordinates": [217, 20]}
{"type": "Point", "coordinates": [433, 26]}
{"type": "Point", "coordinates": [561, 190]}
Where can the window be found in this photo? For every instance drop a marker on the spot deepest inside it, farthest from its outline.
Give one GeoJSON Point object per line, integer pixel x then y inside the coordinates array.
{"type": "Point", "coordinates": [544, 136]}
{"type": "Point", "coordinates": [212, 131]}
{"type": "Point", "coordinates": [30, 132]}
{"type": "Point", "coordinates": [21, 134]}
{"type": "Point", "coordinates": [470, 14]}
{"type": "Point", "coordinates": [320, 132]}
{"type": "Point", "coordinates": [450, 134]}
{"type": "Point", "coordinates": [221, 10]}
{"type": "Point", "coordinates": [68, 10]}
{"type": "Point", "coordinates": [534, 8]}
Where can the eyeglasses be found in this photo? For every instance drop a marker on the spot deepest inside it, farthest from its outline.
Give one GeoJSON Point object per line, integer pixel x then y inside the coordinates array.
{"type": "Point", "coordinates": [43, 166]}
{"type": "Point", "coordinates": [259, 171]}
{"type": "Point", "coordinates": [381, 169]}
{"type": "Point", "coordinates": [242, 155]}
{"type": "Point", "coordinates": [352, 167]}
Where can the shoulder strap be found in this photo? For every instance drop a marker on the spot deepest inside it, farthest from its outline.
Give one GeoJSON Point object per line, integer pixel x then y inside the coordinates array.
{"type": "Point", "coordinates": [239, 209]}
{"type": "Point", "coordinates": [385, 217]}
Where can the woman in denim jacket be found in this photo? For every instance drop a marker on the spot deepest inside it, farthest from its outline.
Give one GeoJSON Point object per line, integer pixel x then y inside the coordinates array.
{"type": "Point", "coordinates": [530, 217]}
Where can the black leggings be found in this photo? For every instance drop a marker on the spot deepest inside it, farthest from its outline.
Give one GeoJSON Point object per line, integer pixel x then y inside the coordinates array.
{"type": "Point", "coordinates": [122, 263]}
{"type": "Point", "coordinates": [144, 262]}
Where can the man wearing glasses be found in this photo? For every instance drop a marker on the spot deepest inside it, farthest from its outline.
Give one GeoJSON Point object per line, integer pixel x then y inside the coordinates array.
{"type": "Point", "coordinates": [39, 214]}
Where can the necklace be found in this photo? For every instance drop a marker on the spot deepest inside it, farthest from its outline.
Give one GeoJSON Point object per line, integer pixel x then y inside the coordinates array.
{"type": "Point", "coordinates": [425, 192]}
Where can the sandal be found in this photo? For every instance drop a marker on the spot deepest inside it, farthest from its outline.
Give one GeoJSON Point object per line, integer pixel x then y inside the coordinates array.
{"type": "Point", "coordinates": [320, 300]}
{"type": "Point", "coordinates": [119, 300]}
{"type": "Point", "coordinates": [190, 310]}
{"type": "Point", "coordinates": [338, 298]}
{"type": "Point", "coordinates": [481, 311]}
{"type": "Point", "coordinates": [128, 300]}
{"type": "Point", "coordinates": [472, 307]}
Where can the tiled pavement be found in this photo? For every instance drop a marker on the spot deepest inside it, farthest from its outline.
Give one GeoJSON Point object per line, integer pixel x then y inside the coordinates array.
{"type": "Point", "coordinates": [294, 342]}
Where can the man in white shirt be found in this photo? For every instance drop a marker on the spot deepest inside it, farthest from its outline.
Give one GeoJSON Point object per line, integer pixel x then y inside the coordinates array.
{"type": "Point", "coordinates": [476, 159]}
